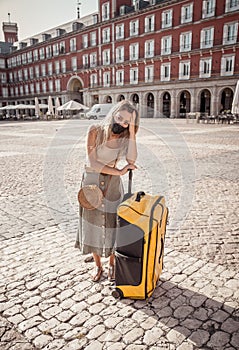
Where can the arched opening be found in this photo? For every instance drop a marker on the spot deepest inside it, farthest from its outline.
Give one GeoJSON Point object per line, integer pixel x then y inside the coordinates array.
{"type": "Point", "coordinates": [75, 89]}
{"type": "Point", "coordinates": [226, 100]}
{"type": "Point", "coordinates": [120, 98]}
{"type": "Point", "coordinates": [135, 99]}
{"type": "Point", "coordinates": [185, 102]}
{"type": "Point", "coordinates": [150, 105]}
{"type": "Point", "coordinates": [166, 105]}
{"type": "Point", "coordinates": [108, 99]}
{"type": "Point", "coordinates": [205, 102]}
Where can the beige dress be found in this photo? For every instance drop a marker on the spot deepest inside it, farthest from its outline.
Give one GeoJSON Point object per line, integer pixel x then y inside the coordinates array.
{"type": "Point", "coordinates": [96, 231]}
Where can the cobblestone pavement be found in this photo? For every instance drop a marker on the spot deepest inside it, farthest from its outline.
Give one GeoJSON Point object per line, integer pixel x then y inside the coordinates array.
{"type": "Point", "coordinates": [47, 300]}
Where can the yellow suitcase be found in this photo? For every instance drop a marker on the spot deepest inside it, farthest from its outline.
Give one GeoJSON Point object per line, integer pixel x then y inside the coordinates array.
{"type": "Point", "coordinates": [142, 220]}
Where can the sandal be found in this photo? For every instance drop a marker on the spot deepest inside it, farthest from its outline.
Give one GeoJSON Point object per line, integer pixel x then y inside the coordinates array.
{"type": "Point", "coordinates": [111, 273]}
{"type": "Point", "coordinates": [97, 274]}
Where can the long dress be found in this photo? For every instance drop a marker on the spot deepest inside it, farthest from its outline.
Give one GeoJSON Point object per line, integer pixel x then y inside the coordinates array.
{"type": "Point", "coordinates": [97, 228]}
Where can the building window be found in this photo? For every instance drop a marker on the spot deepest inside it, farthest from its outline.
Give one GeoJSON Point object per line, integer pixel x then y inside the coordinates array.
{"type": "Point", "coordinates": [16, 91]}
{"type": "Point", "coordinates": [19, 60]}
{"type": "Point", "coordinates": [106, 57]}
{"type": "Point", "coordinates": [24, 58]}
{"type": "Point", "coordinates": [134, 51]}
{"type": "Point", "coordinates": [50, 85]}
{"type": "Point", "coordinates": [31, 74]}
{"type": "Point", "coordinates": [57, 67]}
{"type": "Point", "coordinates": [26, 89]}
{"type": "Point", "coordinates": [37, 88]}
{"type": "Point", "coordinates": [63, 66]}
{"type": "Point", "coordinates": [43, 70]}
{"type": "Point", "coordinates": [29, 57]}
{"type": "Point", "coordinates": [134, 28]}
{"type": "Point", "coordinates": [119, 54]}
{"type": "Point", "coordinates": [166, 42]}
{"type": "Point", "coordinates": [232, 5]}
{"type": "Point", "coordinates": [167, 19]}
{"type": "Point", "coordinates": [187, 13]}
{"type": "Point", "coordinates": [120, 31]}
{"type": "Point", "coordinates": [149, 48]}
{"type": "Point", "coordinates": [93, 80]}
{"type": "Point", "coordinates": [185, 41]}
{"type": "Point", "coordinates": [230, 32]}
{"type": "Point", "coordinates": [85, 61]}
{"type": "Point", "coordinates": [93, 39]}
{"type": "Point", "coordinates": [105, 11]}
{"type": "Point", "coordinates": [21, 90]}
{"type": "Point", "coordinates": [106, 35]}
{"type": "Point", "coordinates": [4, 92]}
{"type": "Point", "coordinates": [165, 71]}
{"type": "Point", "coordinates": [74, 63]}
{"type": "Point", "coordinates": [48, 52]}
{"type": "Point", "coordinates": [207, 38]}
{"type": "Point", "coordinates": [149, 24]}
{"type": "Point", "coordinates": [37, 72]}
{"type": "Point", "coordinates": [25, 74]}
{"type": "Point", "coordinates": [58, 85]}
{"type": "Point", "coordinates": [10, 77]}
{"type": "Point", "coordinates": [73, 44]}
{"type": "Point", "coordinates": [184, 70]}
{"type": "Point", "coordinates": [42, 53]}
{"type": "Point", "coordinates": [62, 47]}
{"type": "Point", "coordinates": [106, 79]}
{"type": "Point", "coordinates": [32, 88]}
{"type": "Point", "coordinates": [134, 76]}
{"type": "Point", "coordinates": [35, 55]}
{"type": "Point", "coordinates": [55, 50]}
{"type": "Point", "coordinates": [149, 74]}
{"type": "Point", "coordinates": [43, 87]}
{"type": "Point", "coordinates": [20, 75]}
{"type": "Point", "coordinates": [227, 65]}
{"type": "Point", "coordinates": [208, 8]}
{"type": "Point", "coordinates": [93, 59]}
{"type": "Point", "coordinates": [205, 68]}
{"type": "Point", "coordinates": [12, 91]}
{"type": "Point", "coordinates": [120, 77]}
{"type": "Point", "coordinates": [50, 68]}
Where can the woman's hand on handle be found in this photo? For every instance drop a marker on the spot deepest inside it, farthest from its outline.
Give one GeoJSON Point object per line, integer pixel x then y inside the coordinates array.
{"type": "Point", "coordinates": [127, 167]}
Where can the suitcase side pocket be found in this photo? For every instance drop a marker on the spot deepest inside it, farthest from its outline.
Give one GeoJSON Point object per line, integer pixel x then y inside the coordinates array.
{"type": "Point", "coordinates": [129, 270]}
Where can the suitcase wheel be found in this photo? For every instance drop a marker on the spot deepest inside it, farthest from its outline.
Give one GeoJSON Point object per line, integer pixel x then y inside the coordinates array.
{"type": "Point", "coordinates": [117, 293]}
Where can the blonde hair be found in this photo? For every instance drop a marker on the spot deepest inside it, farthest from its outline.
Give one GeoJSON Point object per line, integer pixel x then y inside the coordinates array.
{"type": "Point", "coordinates": [104, 128]}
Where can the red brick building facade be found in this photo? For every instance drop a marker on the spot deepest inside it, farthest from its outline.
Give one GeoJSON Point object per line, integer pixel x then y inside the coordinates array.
{"type": "Point", "coordinates": [168, 57]}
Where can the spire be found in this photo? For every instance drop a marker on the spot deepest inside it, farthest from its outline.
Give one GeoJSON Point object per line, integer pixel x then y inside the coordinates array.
{"type": "Point", "coordinates": [78, 9]}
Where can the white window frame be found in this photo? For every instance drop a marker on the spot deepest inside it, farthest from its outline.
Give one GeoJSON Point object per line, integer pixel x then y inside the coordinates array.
{"type": "Point", "coordinates": [85, 41]}
{"type": "Point", "coordinates": [55, 50]}
{"type": "Point", "coordinates": [185, 41]}
{"type": "Point", "coordinates": [85, 61]}
{"type": "Point", "coordinates": [230, 33]}
{"type": "Point", "coordinates": [106, 57]}
{"type": "Point", "coordinates": [119, 54]}
{"type": "Point", "coordinates": [105, 11]}
{"type": "Point", "coordinates": [24, 58]}
{"type": "Point", "coordinates": [42, 53]}
{"type": "Point", "coordinates": [25, 74]}
{"type": "Point", "coordinates": [93, 59]}
{"type": "Point", "coordinates": [134, 51]}
{"type": "Point", "coordinates": [26, 90]}
{"type": "Point", "coordinates": [149, 48]}
{"type": "Point", "coordinates": [93, 38]}
{"type": "Point", "coordinates": [167, 19]}
{"type": "Point", "coordinates": [187, 13]}
{"type": "Point", "coordinates": [72, 44]}
{"type": "Point", "coordinates": [29, 57]}
{"type": "Point", "coordinates": [166, 45]}
{"type": "Point", "coordinates": [50, 68]}
{"type": "Point", "coordinates": [58, 85]}
{"type": "Point", "coordinates": [231, 5]}
{"type": "Point", "coordinates": [57, 67]}
{"type": "Point", "coordinates": [38, 87]}
{"type": "Point", "coordinates": [134, 27]}
{"type": "Point", "coordinates": [205, 67]}
{"type": "Point", "coordinates": [35, 55]}
{"type": "Point", "coordinates": [43, 86]}
{"type": "Point", "coordinates": [149, 23]}
{"type": "Point", "coordinates": [32, 88]}
{"type": "Point", "coordinates": [184, 70]}
{"type": "Point", "coordinates": [106, 35]}
{"type": "Point", "coordinates": [225, 61]}
{"type": "Point", "coordinates": [50, 85]}
{"type": "Point", "coordinates": [4, 92]}
{"type": "Point", "coordinates": [106, 79]}
{"type": "Point", "coordinates": [63, 66]}
{"type": "Point", "coordinates": [31, 73]}
{"type": "Point", "coordinates": [208, 8]}
{"type": "Point", "coordinates": [120, 77]}
{"type": "Point", "coordinates": [93, 80]}
{"type": "Point", "coordinates": [134, 75]}
{"type": "Point", "coordinates": [165, 67]}
{"type": "Point", "coordinates": [37, 71]}
{"type": "Point", "coordinates": [74, 63]}
{"type": "Point", "coordinates": [149, 74]}
{"type": "Point", "coordinates": [119, 33]}
{"type": "Point", "coordinates": [207, 38]}
{"type": "Point", "coordinates": [43, 69]}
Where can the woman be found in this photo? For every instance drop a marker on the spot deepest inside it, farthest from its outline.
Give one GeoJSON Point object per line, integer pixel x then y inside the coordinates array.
{"type": "Point", "coordinates": [114, 138]}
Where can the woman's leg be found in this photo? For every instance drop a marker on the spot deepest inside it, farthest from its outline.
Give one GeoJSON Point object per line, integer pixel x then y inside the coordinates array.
{"type": "Point", "coordinates": [98, 268]}
{"type": "Point", "coordinates": [111, 272]}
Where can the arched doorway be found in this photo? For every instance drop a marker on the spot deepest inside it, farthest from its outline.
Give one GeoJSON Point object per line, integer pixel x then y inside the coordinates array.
{"type": "Point", "coordinates": [120, 98]}
{"type": "Point", "coordinates": [226, 100]}
{"type": "Point", "coordinates": [184, 104]}
{"type": "Point", "coordinates": [166, 105]}
{"type": "Point", "coordinates": [108, 99]}
{"type": "Point", "coordinates": [150, 105]}
{"type": "Point", "coordinates": [205, 102]}
{"type": "Point", "coordinates": [75, 89]}
{"type": "Point", "coordinates": [135, 99]}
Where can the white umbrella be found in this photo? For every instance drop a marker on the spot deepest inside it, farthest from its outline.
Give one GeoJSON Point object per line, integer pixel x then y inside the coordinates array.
{"type": "Point", "coordinates": [23, 106]}
{"type": "Point", "coordinates": [72, 106]}
{"type": "Point", "coordinates": [37, 108]}
{"type": "Point", "coordinates": [58, 104]}
{"type": "Point", "coordinates": [43, 105]}
{"type": "Point", "coordinates": [8, 107]}
{"type": "Point", "coordinates": [235, 102]}
{"type": "Point", "coordinates": [50, 106]}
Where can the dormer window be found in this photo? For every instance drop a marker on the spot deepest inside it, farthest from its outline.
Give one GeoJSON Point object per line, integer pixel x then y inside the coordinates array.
{"type": "Point", "coordinates": [106, 11]}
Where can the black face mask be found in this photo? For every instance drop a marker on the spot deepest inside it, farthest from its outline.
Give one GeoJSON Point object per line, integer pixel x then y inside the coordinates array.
{"type": "Point", "coordinates": [117, 128]}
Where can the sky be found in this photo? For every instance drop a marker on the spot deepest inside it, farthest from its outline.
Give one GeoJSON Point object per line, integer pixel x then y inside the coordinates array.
{"type": "Point", "coordinates": [36, 16]}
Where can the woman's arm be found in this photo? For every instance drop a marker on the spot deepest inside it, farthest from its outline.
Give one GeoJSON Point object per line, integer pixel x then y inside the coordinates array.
{"type": "Point", "coordinates": [131, 155]}
{"type": "Point", "coordinates": [95, 164]}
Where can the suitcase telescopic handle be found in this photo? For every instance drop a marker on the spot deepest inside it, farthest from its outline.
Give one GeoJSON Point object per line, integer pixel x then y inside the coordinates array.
{"type": "Point", "coordinates": [130, 181]}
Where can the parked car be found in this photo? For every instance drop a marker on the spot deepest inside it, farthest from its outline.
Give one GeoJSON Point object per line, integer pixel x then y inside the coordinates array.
{"type": "Point", "coordinates": [99, 110]}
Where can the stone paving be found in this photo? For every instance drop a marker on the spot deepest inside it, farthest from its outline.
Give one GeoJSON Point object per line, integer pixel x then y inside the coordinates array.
{"type": "Point", "coordinates": [47, 300]}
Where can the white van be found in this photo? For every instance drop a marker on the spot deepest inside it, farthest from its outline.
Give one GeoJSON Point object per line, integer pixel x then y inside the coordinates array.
{"type": "Point", "coordinates": [99, 110]}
